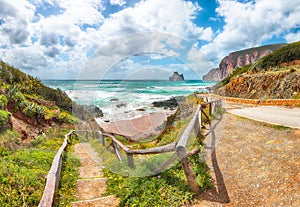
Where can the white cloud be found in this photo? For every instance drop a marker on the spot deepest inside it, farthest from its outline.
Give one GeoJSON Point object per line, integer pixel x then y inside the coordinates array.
{"type": "Point", "coordinates": [174, 17]}
{"type": "Point", "coordinates": [60, 42]}
{"type": "Point", "coordinates": [16, 17]}
{"type": "Point", "coordinates": [117, 2]}
{"type": "Point", "coordinates": [293, 37]}
{"type": "Point", "coordinates": [250, 24]}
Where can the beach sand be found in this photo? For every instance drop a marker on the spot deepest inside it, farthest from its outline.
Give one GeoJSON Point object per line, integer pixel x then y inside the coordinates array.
{"type": "Point", "coordinates": [146, 125]}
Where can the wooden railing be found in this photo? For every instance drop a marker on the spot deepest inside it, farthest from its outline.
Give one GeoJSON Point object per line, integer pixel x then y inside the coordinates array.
{"type": "Point", "coordinates": [54, 175]}
{"type": "Point", "coordinates": [179, 149]}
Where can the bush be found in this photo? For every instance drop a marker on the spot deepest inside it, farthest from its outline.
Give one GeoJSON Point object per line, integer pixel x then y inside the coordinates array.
{"type": "Point", "coordinates": [5, 122]}
{"type": "Point", "coordinates": [285, 54]}
{"type": "Point", "coordinates": [68, 118]}
{"type": "Point", "coordinates": [3, 102]}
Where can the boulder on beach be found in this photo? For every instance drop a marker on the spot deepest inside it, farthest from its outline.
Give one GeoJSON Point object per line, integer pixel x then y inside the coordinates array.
{"type": "Point", "coordinates": [86, 112]}
{"type": "Point", "coordinates": [167, 104]}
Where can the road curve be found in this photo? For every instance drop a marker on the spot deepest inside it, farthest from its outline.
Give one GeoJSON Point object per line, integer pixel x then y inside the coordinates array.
{"type": "Point", "coordinates": [289, 117]}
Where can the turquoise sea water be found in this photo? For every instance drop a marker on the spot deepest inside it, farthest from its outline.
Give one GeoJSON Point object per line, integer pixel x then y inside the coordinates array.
{"type": "Point", "coordinates": [130, 95]}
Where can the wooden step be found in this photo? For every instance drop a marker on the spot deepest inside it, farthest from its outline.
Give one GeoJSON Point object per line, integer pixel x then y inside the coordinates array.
{"type": "Point", "coordinates": [90, 171]}
{"type": "Point", "coordinates": [109, 201]}
{"type": "Point", "coordinates": [90, 188]}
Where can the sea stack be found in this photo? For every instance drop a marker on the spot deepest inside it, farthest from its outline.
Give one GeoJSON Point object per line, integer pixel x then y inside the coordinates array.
{"type": "Point", "coordinates": [176, 77]}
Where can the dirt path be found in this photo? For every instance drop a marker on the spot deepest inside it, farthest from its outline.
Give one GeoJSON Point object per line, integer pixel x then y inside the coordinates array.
{"type": "Point", "coordinates": [91, 184]}
{"type": "Point", "coordinates": [252, 164]}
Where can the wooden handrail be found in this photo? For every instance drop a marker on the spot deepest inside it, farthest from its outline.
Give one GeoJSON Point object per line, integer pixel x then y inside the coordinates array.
{"type": "Point", "coordinates": [54, 176]}
{"type": "Point", "coordinates": [186, 134]}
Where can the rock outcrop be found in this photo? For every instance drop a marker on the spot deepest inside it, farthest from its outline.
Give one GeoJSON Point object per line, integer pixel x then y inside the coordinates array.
{"type": "Point", "coordinates": [176, 77]}
{"type": "Point", "coordinates": [281, 85]}
{"type": "Point", "coordinates": [239, 59]}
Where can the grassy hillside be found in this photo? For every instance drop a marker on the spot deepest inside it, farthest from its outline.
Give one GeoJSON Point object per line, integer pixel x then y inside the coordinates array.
{"type": "Point", "coordinates": [33, 121]}
{"type": "Point", "coordinates": [274, 60]}
{"type": "Point", "coordinates": [27, 84]}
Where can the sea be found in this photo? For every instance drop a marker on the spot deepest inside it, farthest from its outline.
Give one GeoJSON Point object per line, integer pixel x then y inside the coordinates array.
{"type": "Point", "coordinates": [115, 97]}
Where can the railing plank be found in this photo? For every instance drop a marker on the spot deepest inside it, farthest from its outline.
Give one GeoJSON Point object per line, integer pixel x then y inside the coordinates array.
{"type": "Point", "coordinates": [186, 134]}
{"type": "Point", "coordinates": [53, 177]}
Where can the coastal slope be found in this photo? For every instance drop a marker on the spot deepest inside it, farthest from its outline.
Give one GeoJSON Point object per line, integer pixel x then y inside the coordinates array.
{"type": "Point", "coordinates": [276, 76]}
{"type": "Point", "coordinates": [29, 107]}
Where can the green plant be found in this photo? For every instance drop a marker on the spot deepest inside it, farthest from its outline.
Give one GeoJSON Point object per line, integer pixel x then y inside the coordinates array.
{"type": "Point", "coordinates": [67, 185]}
{"type": "Point", "coordinates": [297, 96]}
{"type": "Point", "coordinates": [11, 92]}
{"type": "Point", "coordinates": [68, 118]}
{"type": "Point", "coordinates": [3, 102]}
{"type": "Point", "coordinates": [30, 109]}
{"type": "Point", "coordinates": [4, 120]}
{"type": "Point", "coordinates": [166, 189]}
{"type": "Point", "coordinates": [285, 54]}
{"type": "Point", "coordinates": [9, 141]}
{"type": "Point", "coordinates": [22, 176]}
{"type": "Point", "coordinates": [139, 187]}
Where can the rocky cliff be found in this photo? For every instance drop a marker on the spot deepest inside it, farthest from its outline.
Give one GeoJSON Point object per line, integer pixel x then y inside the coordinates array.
{"type": "Point", "coordinates": [212, 75]}
{"type": "Point", "coordinates": [281, 85]}
{"type": "Point", "coordinates": [275, 76]}
{"type": "Point", "coordinates": [239, 59]}
{"type": "Point", "coordinates": [176, 77]}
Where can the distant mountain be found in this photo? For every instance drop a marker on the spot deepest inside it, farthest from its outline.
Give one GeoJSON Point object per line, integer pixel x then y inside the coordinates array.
{"type": "Point", "coordinates": [275, 76]}
{"type": "Point", "coordinates": [239, 59]}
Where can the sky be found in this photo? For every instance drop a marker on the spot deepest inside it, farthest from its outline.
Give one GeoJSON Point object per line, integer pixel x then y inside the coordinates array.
{"type": "Point", "coordinates": [137, 39]}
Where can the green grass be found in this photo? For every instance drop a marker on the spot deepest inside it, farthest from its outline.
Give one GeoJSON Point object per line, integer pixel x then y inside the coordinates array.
{"type": "Point", "coordinates": [169, 188]}
{"type": "Point", "coordinates": [297, 96]}
{"type": "Point", "coordinates": [141, 187]}
{"type": "Point", "coordinates": [280, 127]}
{"type": "Point", "coordinates": [24, 169]}
{"type": "Point", "coordinates": [23, 176]}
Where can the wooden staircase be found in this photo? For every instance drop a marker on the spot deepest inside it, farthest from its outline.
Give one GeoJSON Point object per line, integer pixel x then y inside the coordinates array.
{"type": "Point", "coordinates": [91, 184]}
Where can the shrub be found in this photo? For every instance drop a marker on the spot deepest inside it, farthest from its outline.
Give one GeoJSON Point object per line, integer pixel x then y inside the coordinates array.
{"type": "Point", "coordinates": [285, 54]}
{"type": "Point", "coordinates": [5, 122]}
{"type": "Point", "coordinates": [68, 118]}
{"type": "Point", "coordinates": [3, 102]}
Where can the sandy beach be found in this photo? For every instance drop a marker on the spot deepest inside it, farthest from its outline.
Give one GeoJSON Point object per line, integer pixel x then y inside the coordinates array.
{"type": "Point", "coordinates": [135, 128]}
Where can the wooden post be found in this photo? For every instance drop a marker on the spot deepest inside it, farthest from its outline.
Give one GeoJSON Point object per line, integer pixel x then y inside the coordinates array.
{"type": "Point", "coordinates": [213, 107]}
{"type": "Point", "coordinates": [117, 150]}
{"type": "Point", "coordinates": [87, 135]}
{"type": "Point", "coordinates": [101, 138]}
{"type": "Point", "coordinates": [93, 134]}
{"type": "Point", "coordinates": [200, 119]}
{"type": "Point", "coordinates": [197, 126]}
{"type": "Point", "coordinates": [210, 108]}
{"type": "Point", "coordinates": [187, 168]}
{"type": "Point", "coordinates": [130, 160]}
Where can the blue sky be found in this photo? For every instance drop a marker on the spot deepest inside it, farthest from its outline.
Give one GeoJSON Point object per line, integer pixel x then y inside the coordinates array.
{"type": "Point", "coordinates": [60, 39]}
